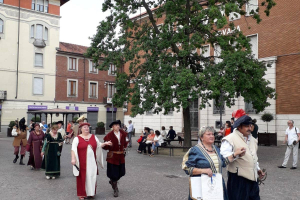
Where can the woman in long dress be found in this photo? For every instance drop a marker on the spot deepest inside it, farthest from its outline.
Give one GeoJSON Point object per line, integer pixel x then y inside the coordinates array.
{"type": "Point", "coordinates": [34, 146]}
{"type": "Point", "coordinates": [51, 152]}
{"type": "Point", "coordinates": [86, 152]}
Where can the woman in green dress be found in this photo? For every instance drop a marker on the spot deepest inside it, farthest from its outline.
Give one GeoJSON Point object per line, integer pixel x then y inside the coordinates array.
{"type": "Point", "coordinates": [51, 153]}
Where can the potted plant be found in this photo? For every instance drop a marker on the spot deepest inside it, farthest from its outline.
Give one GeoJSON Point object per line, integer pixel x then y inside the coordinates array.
{"type": "Point", "coordinates": [10, 127]}
{"type": "Point", "coordinates": [100, 129]}
{"type": "Point", "coordinates": [36, 120]}
{"type": "Point", "coordinates": [75, 119]}
{"type": "Point", "coordinates": [267, 138]}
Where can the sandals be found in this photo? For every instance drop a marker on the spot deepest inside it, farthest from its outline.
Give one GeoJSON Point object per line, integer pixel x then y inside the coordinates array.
{"type": "Point", "coordinates": [151, 155]}
{"type": "Point", "coordinates": [138, 151]}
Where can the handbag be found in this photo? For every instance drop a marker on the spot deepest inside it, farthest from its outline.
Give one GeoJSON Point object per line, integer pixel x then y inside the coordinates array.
{"type": "Point", "coordinates": [14, 132]}
{"type": "Point", "coordinates": [140, 139]}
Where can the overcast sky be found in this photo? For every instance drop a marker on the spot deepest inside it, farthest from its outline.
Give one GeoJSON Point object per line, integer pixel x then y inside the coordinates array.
{"type": "Point", "coordinates": [79, 20]}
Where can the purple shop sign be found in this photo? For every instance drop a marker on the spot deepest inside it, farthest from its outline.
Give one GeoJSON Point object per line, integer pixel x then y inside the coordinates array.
{"type": "Point", "coordinates": [0, 107]}
{"type": "Point", "coordinates": [110, 109]}
{"type": "Point", "coordinates": [35, 107]}
{"type": "Point", "coordinates": [72, 108]}
{"type": "Point", "coordinates": [92, 109]}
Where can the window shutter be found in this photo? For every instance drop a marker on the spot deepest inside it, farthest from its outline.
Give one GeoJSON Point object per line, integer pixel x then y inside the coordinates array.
{"type": "Point", "coordinates": [39, 60]}
{"type": "Point", "coordinates": [32, 31]}
{"type": "Point", "coordinates": [1, 26]}
{"type": "Point", "coordinates": [39, 31]}
{"type": "Point", "coordinates": [46, 34]}
{"type": "Point", "coordinates": [38, 86]}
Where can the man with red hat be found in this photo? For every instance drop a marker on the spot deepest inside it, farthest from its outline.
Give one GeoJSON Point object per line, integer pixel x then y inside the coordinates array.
{"type": "Point", "coordinates": [243, 172]}
{"type": "Point", "coordinates": [116, 154]}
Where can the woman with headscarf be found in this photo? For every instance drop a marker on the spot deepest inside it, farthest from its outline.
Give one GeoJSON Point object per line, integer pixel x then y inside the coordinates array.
{"type": "Point", "coordinates": [86, 152]}
{"type": "Point", "coordinates": [20, 140]}
{"type": "Point", "coordinates": [34, 146]}
{"type": "Point", "coordinates": [51, 153]}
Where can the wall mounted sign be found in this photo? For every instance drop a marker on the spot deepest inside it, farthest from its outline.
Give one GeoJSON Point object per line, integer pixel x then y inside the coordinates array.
{"type": "Point", "coordinates": [36, 107]}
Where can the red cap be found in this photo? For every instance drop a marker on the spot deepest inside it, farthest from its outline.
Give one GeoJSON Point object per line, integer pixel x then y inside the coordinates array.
{"type": "Point", "coordinates": [83, 124]}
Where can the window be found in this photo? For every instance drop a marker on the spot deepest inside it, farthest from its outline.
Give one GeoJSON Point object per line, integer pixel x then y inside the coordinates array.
{"type": "Point", "coordinates": [46, 34]}
{"type": "Point", "coordinates": [217, 53]}
{"type": "Point", "coordinates": [37, 85]}
{"type": "Point", "coordinates": [39, 31]}
{"type": "Point", "coordinates": [249, 108]}
{"type": "Point", "coordinates": [251, 5]}
{"type": "Point", "coordinates": [112, 70]}
{"type": "Point", "coordinates": [254, 45]}
{"type": "Point", "coordinates": [111, 90]}
{"type": "Point", "coordinates": [1, 26]}
{"type": "Point", "coordinates": [93, 90]}
{"type": "Point", "coordinates": [32, 31]}
{"type": "Point", "coordinates": [1, 1]}
{"type": "Point", "coordinates": [38, 59]}
{"type": "Point", "coordinates": [33, 5]}
{"type": "Point", "coordinates": [92, 67]}
{"type": "Point", "coordinates": [72, 88]}
{"type": "Point", "coordinates": [205, 52]}
{"type": "Point", "coordinates": [40, 5]}
{"type": "Point", "coordinates": [216, 109]}
{"type": "Point", "coordinates": [46, 6]}
{"type": "Point", "coordinates": [72, 64]}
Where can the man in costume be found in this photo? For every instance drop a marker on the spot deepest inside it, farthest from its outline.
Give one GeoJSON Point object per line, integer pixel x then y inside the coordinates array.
{"type": "Point", "coordinates": [76, 128]}
{"type": "Point", "coordinates": [116, 155]}
{"type": "Point", "coordinates": [20, 141]}
{"type": "Point", "coordinates": [242, 172]}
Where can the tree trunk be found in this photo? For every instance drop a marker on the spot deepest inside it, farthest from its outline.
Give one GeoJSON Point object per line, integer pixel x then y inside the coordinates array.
{"type": "Point", "coordinates": [187, 127]}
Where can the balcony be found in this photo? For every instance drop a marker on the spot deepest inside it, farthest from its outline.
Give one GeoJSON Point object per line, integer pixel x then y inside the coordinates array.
{"type": "Point", "coordinates": [107, 100]}
{"type": "Point", "coordinates": [39, 43]}
{"type": "Point", "coordinates": [3, 95]}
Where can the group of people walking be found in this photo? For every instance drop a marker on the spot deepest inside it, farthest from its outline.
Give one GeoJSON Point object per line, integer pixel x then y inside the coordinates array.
{"type": "Point", "coordinates": [86, 153]}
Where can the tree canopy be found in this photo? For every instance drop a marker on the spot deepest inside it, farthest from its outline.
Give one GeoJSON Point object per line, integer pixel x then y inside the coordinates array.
{"type": "Point", "coordinates": [165, 52]}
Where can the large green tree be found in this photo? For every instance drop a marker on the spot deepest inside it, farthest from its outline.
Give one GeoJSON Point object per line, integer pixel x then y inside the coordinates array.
{"type": "Point", "coordinates": [165, 55]}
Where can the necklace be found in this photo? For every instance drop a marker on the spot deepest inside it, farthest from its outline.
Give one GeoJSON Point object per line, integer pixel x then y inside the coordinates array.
{"type": "Point", "coordinates": [211, 151]}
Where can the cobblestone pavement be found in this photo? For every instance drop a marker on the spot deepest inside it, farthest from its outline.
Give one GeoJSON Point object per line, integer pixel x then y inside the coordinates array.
{"type": "Point", "coordinates": [159, 178]}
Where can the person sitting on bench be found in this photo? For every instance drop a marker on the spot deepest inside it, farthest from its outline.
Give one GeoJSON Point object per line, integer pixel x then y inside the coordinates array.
{"type": "Point", "coordinates": [171, 135]}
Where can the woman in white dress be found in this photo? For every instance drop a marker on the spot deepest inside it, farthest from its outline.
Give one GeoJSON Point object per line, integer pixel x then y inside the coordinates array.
{"type": "Point", "coordinates": [86, 153]}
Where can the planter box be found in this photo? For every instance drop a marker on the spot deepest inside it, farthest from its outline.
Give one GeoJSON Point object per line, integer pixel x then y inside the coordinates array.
{"type": "Point", "coordinates": [100, 131]}
{"type": "Point", "coordinates": [267, 139]}
{"type": "Point", "coordinates": [9, 130]}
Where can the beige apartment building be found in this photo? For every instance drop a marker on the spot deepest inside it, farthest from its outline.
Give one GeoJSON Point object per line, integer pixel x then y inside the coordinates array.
{"type": "Point", "coordinates": [29, 36]}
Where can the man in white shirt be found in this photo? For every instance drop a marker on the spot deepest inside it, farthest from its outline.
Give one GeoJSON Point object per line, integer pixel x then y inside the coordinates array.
{"type": "Point", "coordinates": [292, 137]}
{"type": "Point", "coordinates": [130, 132]}
{"type": "Point", "coordinates": [242, 172]}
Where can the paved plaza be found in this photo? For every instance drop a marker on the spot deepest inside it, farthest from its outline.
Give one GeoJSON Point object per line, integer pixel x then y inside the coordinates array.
{"type": "Point", "coordinates": [159, 177]}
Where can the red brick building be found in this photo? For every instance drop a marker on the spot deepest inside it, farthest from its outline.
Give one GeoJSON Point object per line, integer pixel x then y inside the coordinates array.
{"type": "Point", "coordinates": [80, 86]}
{"type": "Point", "coordinates": [275, 40]}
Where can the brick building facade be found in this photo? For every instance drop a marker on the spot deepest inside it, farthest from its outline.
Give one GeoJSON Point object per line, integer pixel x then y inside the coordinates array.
{"type": "Point", "coordinates": [81, 86]}
{"type": "Point", "coordinates": [276, 40]}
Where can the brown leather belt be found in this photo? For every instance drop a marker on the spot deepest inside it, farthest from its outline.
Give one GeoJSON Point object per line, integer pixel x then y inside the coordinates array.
{"type": "Point", "coordinates": [118, 152]}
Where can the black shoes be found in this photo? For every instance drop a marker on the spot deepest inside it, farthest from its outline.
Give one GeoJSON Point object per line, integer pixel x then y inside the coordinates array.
{"type": "Point", "coordinates": [281, 166]}
{"type": "Point", "coordinates": [16, 158]}
{"type": "Point", "coordinates": [293, 168]}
